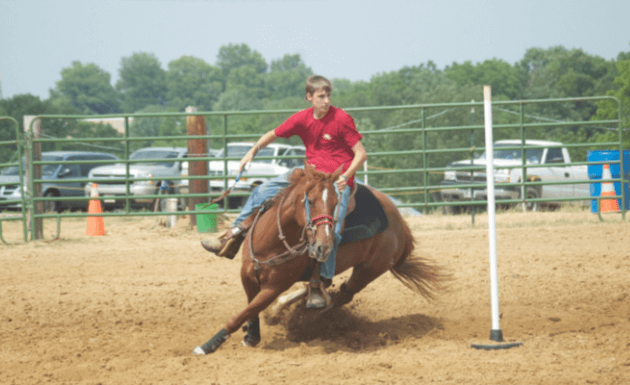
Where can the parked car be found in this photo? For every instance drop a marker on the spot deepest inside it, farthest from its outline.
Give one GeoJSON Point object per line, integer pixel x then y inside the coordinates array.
{"type": "Point", "coordinates": [552, 154]}
{"type": "Point", "coordinates": [115, 187]}
{"type": "Point", "coordinates": [55, 173]}
{"type": "Point", "coordinates": [256, 173]}
{"type": "Point", "coordinates": [183, 184]}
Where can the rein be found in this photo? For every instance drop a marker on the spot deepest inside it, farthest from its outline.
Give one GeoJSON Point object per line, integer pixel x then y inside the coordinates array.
{"type": "Point", "coordinates": [225, 193]}
{"type": "Point", "coordinates": [303, 245]}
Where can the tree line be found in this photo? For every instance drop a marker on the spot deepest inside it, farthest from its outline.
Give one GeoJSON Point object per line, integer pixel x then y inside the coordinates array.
{"type": "Point", "coordinates": [241, 80]}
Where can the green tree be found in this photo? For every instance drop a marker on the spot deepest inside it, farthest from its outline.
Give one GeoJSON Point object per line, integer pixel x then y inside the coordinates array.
{"type": "Point", "coordinates": [16, 107]}
{"type": "Point", "coordinates": [609, 109]}
{"type": "Point", "coordinates": [92, 130]}
{"type": "Point", "coordinates": [150, 127]}
{"type": "Point", "coordinates": [19, 106]}
{"type": "Point", "coordinates": [246, 78]}
{"type": "Point", "coordinates": [238, 99]}
{"type": "Point", "coordinates": [87, 88]}
{"type": "Point", "coordinates": [561, 73]}
{"type": "Point", "coordinates": [287, 77]}
{"type": "Point", "coordinates": [192, 82]}
{"type": "Point", "coordinates": [504, 78]}
{"type": "Point", "coordinates": [233, 56]}
{"type": "Point", "coordinates": [22, 105]}
{"type": "Point", "coordinates": [142, 82]}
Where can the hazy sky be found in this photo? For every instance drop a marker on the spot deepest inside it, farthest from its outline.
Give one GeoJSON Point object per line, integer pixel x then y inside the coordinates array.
{"type": "Point", "coordinates": [338, 39]}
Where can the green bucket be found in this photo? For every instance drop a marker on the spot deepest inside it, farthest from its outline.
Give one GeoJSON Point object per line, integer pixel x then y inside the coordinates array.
{"type": "Point", "coordinates": [206, 223]}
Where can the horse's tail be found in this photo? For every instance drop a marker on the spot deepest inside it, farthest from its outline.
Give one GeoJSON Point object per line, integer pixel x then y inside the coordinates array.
{"type": "Point", "coordinates": [418, 274]}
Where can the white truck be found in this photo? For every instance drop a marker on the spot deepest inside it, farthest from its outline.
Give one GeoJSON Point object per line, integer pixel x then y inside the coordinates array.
{"type": "Point", "coordinates": [257, 171]}
{"type": "Point", "coordinates": [112, 177]}
{"type": "Point", "coordinates": [545, 153]}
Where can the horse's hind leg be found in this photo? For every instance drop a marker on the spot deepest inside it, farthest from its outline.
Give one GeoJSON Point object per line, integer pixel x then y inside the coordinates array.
{"type": "Point", "coordinates": [252, 338]}
{"type": "Point", "coordinates": [361, 276]}
{"type": "Point", "coordinates": [275, 312]}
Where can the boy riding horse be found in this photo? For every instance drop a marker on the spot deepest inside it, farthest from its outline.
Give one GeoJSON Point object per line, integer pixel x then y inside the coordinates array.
{"type": "Point", "coordinates": [331, 140]}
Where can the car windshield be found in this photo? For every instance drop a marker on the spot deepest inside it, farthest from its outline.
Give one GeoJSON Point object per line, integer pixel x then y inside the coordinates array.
{"type": "Point", "coordinates": [533, 155]}
{"type": "Point", "coordinates": [155, 154]}
{"type": "Point", "coordinates": [239, 151]}
{"type": "Point", "coordinates": [47, 169]}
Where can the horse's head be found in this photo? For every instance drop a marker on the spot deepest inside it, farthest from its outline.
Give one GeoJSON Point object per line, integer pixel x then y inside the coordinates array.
{"type": "Point", "coordinates": [318, 208]}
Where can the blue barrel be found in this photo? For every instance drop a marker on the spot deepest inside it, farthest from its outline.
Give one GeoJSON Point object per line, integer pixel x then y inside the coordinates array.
{"type": "Point", "coordinates": [595, 173]}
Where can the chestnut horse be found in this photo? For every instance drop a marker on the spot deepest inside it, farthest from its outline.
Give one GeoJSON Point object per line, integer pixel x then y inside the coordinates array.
{"type": "Point", "coordinates": [297, 227]}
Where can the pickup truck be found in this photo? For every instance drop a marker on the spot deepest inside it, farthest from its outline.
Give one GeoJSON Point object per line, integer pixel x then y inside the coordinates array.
{"type": "Point", "coordinates": [114, 186]}
{"type": "Point", "coordinates": [545, 153]}
{"type": "Point", "coordinates": [254, 174]}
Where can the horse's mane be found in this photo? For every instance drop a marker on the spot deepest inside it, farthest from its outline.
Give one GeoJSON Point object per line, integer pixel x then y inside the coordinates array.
{"type": "Point", "coordinates": [296, 178]}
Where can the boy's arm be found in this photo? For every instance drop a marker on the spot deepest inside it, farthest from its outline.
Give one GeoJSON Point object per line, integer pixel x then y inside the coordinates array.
{"type": "Point", "coordinates": [263, 142]}
{"type": "Point", "coordinates": [359, 158]}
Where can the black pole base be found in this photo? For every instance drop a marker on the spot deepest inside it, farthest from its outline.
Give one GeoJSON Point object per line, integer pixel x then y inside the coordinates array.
{"type": "Point", "coordinates": [496, 335]}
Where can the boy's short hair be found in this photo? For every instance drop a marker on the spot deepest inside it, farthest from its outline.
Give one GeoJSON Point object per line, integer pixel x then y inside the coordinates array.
{"type": "Point", "coordinates": [318, 82]}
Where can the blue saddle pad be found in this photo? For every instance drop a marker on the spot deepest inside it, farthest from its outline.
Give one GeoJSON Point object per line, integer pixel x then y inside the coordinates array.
{"type": "Point", "coordinates": [367, 219]}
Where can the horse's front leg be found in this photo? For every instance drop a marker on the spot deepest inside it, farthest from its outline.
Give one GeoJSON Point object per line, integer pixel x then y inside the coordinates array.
{"type": "Point", "coordinates": [263, 299]}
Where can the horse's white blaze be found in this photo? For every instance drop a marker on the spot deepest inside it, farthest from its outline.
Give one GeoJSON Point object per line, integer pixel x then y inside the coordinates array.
{"type": "Point", "coordinates": [324, 199]}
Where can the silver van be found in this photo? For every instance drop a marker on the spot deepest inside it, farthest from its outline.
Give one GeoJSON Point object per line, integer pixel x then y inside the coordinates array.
{"type": "Point", "coordinates": [54, 174]}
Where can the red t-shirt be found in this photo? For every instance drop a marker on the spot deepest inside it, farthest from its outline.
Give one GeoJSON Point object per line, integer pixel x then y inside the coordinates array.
{"type": "Point", "coordinates": [328, 140]}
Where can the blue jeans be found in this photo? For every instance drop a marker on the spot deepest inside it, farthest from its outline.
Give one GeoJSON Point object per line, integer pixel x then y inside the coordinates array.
{"type": "Point", "coordinates": [270, 189]}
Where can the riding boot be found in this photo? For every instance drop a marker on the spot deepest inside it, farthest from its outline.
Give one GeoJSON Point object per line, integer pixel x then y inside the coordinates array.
{"type": "Point", "coordinates": [228, 244]}
{"type": "Point", "coordinates": [318, 297]}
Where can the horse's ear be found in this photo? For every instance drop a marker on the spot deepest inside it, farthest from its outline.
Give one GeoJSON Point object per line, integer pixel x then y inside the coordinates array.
{"type": "Point", "coordinates": [335, 175]}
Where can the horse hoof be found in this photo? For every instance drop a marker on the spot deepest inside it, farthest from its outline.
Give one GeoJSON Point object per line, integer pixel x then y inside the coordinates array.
{"type": "Point", "coordinates": [250, 341]}
{"type": "Point", "coordinates": [198, 351]}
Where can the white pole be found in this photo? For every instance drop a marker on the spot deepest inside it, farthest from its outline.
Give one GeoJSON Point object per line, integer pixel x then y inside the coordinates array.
{"type": "Point", "coordinates": [365, 169]}
{"type": "Point", "coordinates": [495, 334]}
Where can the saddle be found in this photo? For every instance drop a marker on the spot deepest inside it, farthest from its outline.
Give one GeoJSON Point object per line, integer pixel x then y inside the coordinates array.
{"type": "Point", "coordinates": [367, 219]}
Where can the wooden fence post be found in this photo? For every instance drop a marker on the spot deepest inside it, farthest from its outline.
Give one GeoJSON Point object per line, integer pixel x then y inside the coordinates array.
{"type": "Point", "coordinates": [37, 228]}
{"type": "Point", "coordinates": [196, 125]}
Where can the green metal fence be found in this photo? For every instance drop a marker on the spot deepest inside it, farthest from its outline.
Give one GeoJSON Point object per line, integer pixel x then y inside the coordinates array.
{"type": "Point", "coordinates": [427, 169]}
{"type": "Point", "coordinates": [18, 143]}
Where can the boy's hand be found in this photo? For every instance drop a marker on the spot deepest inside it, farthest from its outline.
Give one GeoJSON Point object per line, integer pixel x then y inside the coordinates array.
{"type": "Point", "coordinates": [248, 157]}
{"type": "Point", "coordinates": [341, 183]}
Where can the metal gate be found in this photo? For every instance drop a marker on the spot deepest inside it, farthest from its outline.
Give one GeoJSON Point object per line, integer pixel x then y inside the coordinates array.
{"type": "Point", "coordinates": [420, 163]}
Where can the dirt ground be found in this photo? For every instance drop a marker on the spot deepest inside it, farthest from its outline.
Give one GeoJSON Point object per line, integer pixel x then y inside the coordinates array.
{"type": "Point", "coordinates": [130, 306]}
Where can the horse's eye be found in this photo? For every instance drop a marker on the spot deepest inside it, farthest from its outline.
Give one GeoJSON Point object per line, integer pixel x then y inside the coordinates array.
{"type": "Point", "coordinates": [311, 203]}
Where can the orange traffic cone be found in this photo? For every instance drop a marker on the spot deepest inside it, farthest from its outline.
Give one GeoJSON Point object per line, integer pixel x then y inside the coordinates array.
{"type": "Point", "coordinates": [608, 189]}
{"type": "Point", "coordinates": [95, 225]}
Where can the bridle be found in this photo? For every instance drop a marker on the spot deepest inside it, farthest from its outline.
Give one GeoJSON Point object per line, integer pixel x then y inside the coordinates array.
{"type": "Point", "coordinates": [307, 238]}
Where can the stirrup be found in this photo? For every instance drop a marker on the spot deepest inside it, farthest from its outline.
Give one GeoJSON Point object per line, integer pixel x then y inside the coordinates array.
{"type": "Point", "coordinates": [318, 297]}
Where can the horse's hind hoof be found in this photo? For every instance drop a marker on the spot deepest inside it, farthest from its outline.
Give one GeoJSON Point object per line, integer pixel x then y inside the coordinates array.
{"type": "Point", "coordinates": [250, 341]}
